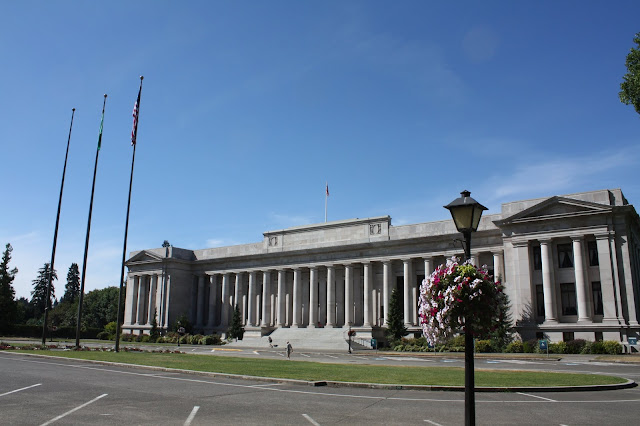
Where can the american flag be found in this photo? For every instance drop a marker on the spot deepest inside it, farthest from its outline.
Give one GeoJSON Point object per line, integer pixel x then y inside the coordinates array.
{"type": "Point", "coordinates": [327, 189]}
{"type": "Point", "coordinates": [136, 110]}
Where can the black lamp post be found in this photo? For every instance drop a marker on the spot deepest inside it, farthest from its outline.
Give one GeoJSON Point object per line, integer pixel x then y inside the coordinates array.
{"type": "Point", "coordinates": [466, 213]}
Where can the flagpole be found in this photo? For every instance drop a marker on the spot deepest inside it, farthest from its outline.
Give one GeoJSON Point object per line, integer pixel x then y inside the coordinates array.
{"type": "Point", "coordinates": [326, 197]}
{"type": "Point", "coordinates": [86, 242]}
{"type": "Point", "coordinates": [55, 237]}
{"type": "Point", "coordinates": [134, 135]}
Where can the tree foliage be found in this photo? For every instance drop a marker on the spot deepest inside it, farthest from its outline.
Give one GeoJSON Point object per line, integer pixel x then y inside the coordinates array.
{"type": "Point", "coordinates": [630, 87]}
{"type": "Point", "coordinates": [8, 305]}
{"type": "Point", "coordinates": [100, 307]}
{"type": "Point", "coordinates": [395, 318]}
{"type": "Point", "coordinates": [72, 288]}
{"type": "Point", "coordinates": [39, 292]}
{"type": "Point", "coordinates": [236, 331]}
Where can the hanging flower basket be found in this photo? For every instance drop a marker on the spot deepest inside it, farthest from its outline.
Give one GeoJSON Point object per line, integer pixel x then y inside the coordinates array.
{"type": "Point", "coordinates": [454, 293]}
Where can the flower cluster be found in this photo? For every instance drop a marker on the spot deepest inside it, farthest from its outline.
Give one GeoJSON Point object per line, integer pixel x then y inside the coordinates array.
{"type": "Point", "coordinates": [456, 297]}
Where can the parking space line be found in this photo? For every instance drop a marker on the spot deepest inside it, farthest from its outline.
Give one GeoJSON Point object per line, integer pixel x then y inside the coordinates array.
{"type": "Point", "coordinates": [432, 423]}
{"type": "Point", "coordinates": [21, 389]}
{"type": "Point", "coordinates": [536, 396]}
{"type": "Point", "coordinates": [192, 415]}
{"type": "Point", "coordinates": [331, 356]}
{"type": "Point", "coordinates": [308, 356]}
{"type": "Point", "coordinates": [73, 410]}
{"type": "Point", "coordinates": [313, 422]}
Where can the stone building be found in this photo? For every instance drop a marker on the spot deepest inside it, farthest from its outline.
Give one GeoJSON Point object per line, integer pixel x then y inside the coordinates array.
{"type": "Point", "coordinates": [570, 265]}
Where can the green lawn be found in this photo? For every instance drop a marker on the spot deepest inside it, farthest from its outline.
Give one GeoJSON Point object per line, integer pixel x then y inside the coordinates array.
{"type": "Point", "coordinates": [314, 371]}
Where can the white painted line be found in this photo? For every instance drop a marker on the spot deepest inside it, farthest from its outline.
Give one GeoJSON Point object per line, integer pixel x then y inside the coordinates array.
{"type": "Point", "coordinates": [268, 384]}
{"type": "Point", "coordinates": [256, 352]}
{"type": "Point", "coordinates": [21, 389]}
{"type": "Point", "coordinates": [192, 415]}
{"type": "Point", "coordinates": [313, 422]}
{"type": "Point", "coordinates": [536, 396]}
{"type": "Point", "coordinates": [74, 410]}
{"type": "Point", "coordinates": [280, 354]}
{"type": "Point", "coordinates": [308, 356]}
{"type": "Point", "coordinates": [432, 423]}
{"type": "Point", "coordinates": [331, 356]}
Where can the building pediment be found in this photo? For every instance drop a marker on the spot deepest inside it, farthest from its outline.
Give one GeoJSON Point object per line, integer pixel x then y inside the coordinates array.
{"type": "Point", "coordinates": [144, 256]}
{"type": "Point", "coordinates": [555, 208]}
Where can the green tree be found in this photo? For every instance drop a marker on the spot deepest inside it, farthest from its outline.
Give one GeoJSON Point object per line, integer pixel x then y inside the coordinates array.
{"type": "Point", "coordinates": [630, 87]}
{"type": "Point", "coordinates": [8, 305]}
{"type": "Point", "coordinates": [502, 333]}
{"type": "Point", "coordinates": [236, 331]}
{"type": "Point", "coordinates": [72, 288]}
{"type": "Point", "coordinates": [100, 307]}
{"type": "Point", "coordinates": [395, 318]}
{"type": "Point", "coordinates": [39, 293]}
{"type": "Point", "coordinates": [154, 333]}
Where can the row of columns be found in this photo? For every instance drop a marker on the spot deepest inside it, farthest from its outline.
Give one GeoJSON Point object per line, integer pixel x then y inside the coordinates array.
{"type": "Point", "coordinates": [607, 255]}
{"type": "Point", "coordinates": [149, 294]}
{"type": "Point", "coordinates": [309, 296]}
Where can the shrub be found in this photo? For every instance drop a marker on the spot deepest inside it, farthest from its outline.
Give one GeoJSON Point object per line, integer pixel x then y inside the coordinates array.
{"type": "Point", "coordinates": [145, 338]}
{"type": "Point", "coordinates": [558, 348]}
{"type": "Point", "coordinates": [194, 339]}
{"type": "Point", "coordinates": [212, 339]}
{"type": "Point", "coordinates": [612, 347]}
{"type": "Point", "coordinates": [596, 348]}
{"type": "Point", "coordinates": [515, 347]}
{"type": "Point", "coordinates": [531, 346]}
{"type": "Point", "coordinates": [127, 337]}
{"type": "Point", "coordinates": [484, 346]}
{"type": "Point", "coordinates": [103, 335]}
{"type": "Point", "coordinates": [111, 327]}
{"type": "Point", "coordinates": [575, 346]}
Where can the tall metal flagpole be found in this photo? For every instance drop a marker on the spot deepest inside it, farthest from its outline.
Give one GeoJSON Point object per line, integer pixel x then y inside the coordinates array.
{"type": "Point", "coordinates": [55, 238]}
{"type": "Point", "coordinates": [134, 135]}
{"type": "Point", "coordinates": [86, 242]}
{"type": "Point", "coordinates": [326, 197]}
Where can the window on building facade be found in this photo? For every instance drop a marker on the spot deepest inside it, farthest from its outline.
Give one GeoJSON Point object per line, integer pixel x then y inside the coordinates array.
{"type": "Point", "coordinates": [568, 336]}
{"type": "Point", "coordinates": [596, 291]}
{"type": "Point", "coordinates": [568, 295]}
{"type": "Point", "coordinates": [539, 300]}
{"type": "Point", "coordinates": [599, 336]}
{"type": "Point", "coordinates": [565, 256]}
{"type": "Point", "coordinates": [537, 258]}
{"type": "Point", "coordinates": [593, 253]}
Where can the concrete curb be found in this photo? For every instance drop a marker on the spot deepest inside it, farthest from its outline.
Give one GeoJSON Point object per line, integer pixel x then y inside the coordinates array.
{"type": "Point", "coordinates": [334, 384]}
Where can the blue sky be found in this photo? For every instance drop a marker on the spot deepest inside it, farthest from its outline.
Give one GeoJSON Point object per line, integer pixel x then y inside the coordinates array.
{"type": "Point", "coordinates": [249, 107]}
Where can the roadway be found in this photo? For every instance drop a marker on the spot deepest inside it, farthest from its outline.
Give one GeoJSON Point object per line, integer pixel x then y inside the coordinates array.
{"type": "Point", "coordinates": [42, 391]}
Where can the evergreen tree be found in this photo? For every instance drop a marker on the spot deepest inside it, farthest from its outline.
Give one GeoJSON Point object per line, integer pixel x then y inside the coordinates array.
{"type": "Point", "coordinates": [502, 333]}
{"type": "Point", "coordinates": [72, 288]}
{"type": "Point", "coordinates": [154, 333]}
{"type": "Point", "coordinates": [39, 293]}
{"type": "Point", "coordinates": [395, 319]}
{"type": "Point", "coordinates": [236, 331]}
{"type": "Point", "coordinates": [8, 305]}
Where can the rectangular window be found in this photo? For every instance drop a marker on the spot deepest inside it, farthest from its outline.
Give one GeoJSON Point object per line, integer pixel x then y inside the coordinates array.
{"type": "Point", "coordinates": [568, 295]}
{"type": "Point", "coordinates": [599, 336]}
{"type": "Point", "coordinates": [537, 258]}
{"type": "Point", "coordinates": [565, 256]}
{"type": "Point", "coordinates": [539, 300]}
{"type": "Point", "coordinates": [593, 253]}
{"type": "Point", "coordinates": [596, 291]}
{"type": "Point", "coordinates": [568, 336]}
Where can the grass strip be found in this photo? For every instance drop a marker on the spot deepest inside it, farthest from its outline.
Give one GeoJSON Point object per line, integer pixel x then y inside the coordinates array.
{"type": "Point", "coordinates": [315, 371]}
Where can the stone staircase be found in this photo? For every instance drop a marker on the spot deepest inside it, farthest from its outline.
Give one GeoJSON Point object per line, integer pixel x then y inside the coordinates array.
{"type": "Point", "coordinates": [306, 338]}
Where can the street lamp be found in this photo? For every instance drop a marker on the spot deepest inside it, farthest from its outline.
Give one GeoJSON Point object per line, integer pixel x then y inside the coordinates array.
{"type": "Point", "coordinates": [466, 213]}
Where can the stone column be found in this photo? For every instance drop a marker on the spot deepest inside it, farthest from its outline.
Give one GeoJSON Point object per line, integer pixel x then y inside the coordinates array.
{"type": "Point", "coordinates": [226, 302]}
{"type": "Point", "coordinates": [497, 266]}
{"type": "Point", "coordinates": [386, 293]}
{"type": "Point", "coordinates": [348, 295]}
{"type": "Point", "coordinates": [368, 287]}
{"type": "Point", "coordinates": [152, 298]}
{"type": "Point", "coordinates": [281, 297]}
{"type": "Point", "coordinates": [238, 299]}
{"type": "Point", "coordinates": [582, 288]}
{"type": "Point", "coordinates": [407, 292]}
{"type": "Point", "coordinates": [331, 296]}
{"type": "Point", "coordinates": [313, 296]}
{"type": "Point", "coordinates": [607, 281]}
{"type": "Point", "coordinates": [167, 298]}
{"type": "Point", "coordinates": [548, 286]}
{"type": "Point", "coordinates": [200, 311]}
{"type": "Point", "coordinates": [266, 299]}
{"type": "Point", "coordinates": [251, 301]}
{"type": "Point", "coordinates": [212, 301]}
{"type": "Point", "coordinates": [322, 298]}
{"type": "Point", "coordinates": [297, 298]}
{"type": "Point", "coordinates": [142, 291]}
{"type": "Point", "coordinates": [160, 295]}
{"type": "Point", "coordinates": [133, 301]}
{"type": "Point", "coordinates": [428, 267]}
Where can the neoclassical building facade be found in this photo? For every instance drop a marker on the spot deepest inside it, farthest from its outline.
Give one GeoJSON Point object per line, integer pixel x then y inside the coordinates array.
{"type": "Point", "coordinates": [570, 265]}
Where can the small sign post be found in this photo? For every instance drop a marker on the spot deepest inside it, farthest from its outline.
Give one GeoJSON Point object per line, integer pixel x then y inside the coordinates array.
{"type": "Point", "coordinates": [544, 346]}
